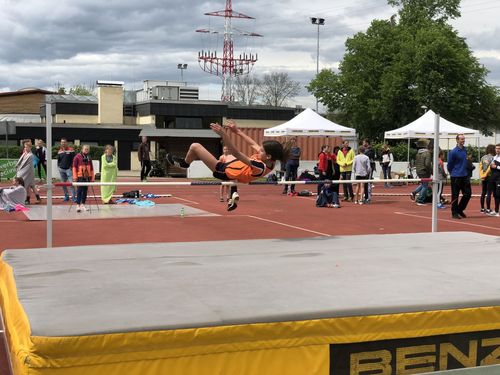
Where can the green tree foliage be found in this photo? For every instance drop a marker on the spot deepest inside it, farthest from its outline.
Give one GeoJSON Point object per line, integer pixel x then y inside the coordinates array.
{"type": "Point", "coordinates": [437, 10]}
{"type": "Point", "coordinates": [82, 90]}
{"type": "Point", "coordinates": [392, 69]}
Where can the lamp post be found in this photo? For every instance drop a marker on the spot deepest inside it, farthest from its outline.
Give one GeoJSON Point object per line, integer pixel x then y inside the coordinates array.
{"type": "Point", "coordinates": [320, 22]}
{"type": "Point", "coordinates": [182, 67]}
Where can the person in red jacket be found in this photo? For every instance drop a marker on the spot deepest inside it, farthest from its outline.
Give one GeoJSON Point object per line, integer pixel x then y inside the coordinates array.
{"type": "Point", "coordinates": [83, 171]}
{"type": "Point", "coordinates": [324, 159]}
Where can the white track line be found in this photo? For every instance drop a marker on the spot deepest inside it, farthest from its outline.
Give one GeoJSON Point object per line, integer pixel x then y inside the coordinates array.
{"type": "Point", "coordinates": [289, 226]}
{"type": "Point", "coordinates": [185, 200]}
{"type": "Point", "coordinates": [449, 221]}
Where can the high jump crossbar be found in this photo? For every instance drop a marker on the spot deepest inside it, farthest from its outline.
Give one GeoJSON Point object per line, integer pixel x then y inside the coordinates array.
{"type": "Point", "coordinates": [231, 183]}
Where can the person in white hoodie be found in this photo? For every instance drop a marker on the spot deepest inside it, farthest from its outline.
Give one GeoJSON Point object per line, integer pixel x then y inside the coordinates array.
{"type": "Point", "coordinates": [362, 169]}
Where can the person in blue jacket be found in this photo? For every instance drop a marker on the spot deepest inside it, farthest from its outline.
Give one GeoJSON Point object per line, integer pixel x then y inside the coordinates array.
{"type": "Point", "coordinates": [460, 181]}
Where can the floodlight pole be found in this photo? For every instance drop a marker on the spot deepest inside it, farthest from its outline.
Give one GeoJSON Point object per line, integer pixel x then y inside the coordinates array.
{"type": "Point", "coordinates": [182, 67]}
{"type": "Point", "coordinates": [435, 181]}
{"type": "Point", "coordinates": [48, 127]}
{"type": "Point", "coordinates": [320, 22]}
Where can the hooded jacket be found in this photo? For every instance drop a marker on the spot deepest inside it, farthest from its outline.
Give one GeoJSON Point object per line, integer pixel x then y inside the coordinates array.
{"type": "Point", "coordinates": [423, 163]}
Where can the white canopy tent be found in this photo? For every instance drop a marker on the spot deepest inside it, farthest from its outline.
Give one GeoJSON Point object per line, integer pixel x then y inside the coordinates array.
{"type": "Point", "coordinates": [423, 127]}
{"type": "Point", "coordinates": [309, 123]}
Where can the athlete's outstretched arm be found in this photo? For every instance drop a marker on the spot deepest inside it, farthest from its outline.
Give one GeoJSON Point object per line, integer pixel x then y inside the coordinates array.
{"type": "Point", "coordinates": [227, 142]}
{"type": "Point", "coordinates": [231, 125]}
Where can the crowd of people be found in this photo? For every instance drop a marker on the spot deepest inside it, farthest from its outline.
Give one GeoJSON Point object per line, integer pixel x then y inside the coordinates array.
{"type": "Point", "coordinates": [340, 164]}
{"type": "Point", "coordinates": [363, 165]}
{"type": "Point", "coordinates": [72, 166]}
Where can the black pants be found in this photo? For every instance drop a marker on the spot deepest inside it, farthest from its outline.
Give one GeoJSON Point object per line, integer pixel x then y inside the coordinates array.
{"type": "Point", "coordinates": [291, 169]}
{"type": "Point", "coordinates": [39, 167]}
{"type": "Point", "coordinates": [145, 169]}
{"type": "Point", "coordinates": [460, 184]}
{"type": "Point", "coordinates": [348, 193]}
{"type": "Point", "coordinates": [495, 185]}
{"type": "Point", "coordinates": [488, 189]}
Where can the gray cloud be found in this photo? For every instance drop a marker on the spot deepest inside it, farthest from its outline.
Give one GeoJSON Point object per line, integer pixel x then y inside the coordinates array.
{"type": "Point", "coordinates": [79, 41]}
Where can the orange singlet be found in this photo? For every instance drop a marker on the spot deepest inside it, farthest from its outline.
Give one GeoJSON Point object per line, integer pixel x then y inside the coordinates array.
{"type": "Point", "coordinates": [237, 170]}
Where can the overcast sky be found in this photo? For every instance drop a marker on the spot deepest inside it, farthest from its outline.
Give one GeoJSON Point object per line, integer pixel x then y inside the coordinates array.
{"type": "Point", "coordinates": [69, 42]}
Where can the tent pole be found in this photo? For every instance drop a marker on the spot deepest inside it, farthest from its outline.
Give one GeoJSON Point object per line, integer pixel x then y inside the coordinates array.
{"type": "Point", "coordinates": [408, 157]}
{"type": "Point", "coordinates": [435, 182]}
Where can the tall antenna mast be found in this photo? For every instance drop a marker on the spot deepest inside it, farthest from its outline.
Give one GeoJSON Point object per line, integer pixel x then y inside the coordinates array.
{"type": "Point", "coordinates": [227, 67]}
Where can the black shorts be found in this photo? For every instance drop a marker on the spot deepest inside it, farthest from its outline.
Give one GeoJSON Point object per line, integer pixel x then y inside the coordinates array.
{"type": "Point", "coordinates": [361, 177]}
{"type": "Point", "coordinates": [220, 171]}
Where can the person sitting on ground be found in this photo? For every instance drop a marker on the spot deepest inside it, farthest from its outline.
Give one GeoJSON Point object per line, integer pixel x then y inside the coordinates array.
{"type": "Point", "coordinates": [109, 173]}
{"type": "Point", "coordinates": [327, 197]}
{"type": "Point", "coordinates": [14, 195]}
{"type": "Point", "coordinates": [226, 157]}
{"type": "Point", "coordinates": [243, 168]}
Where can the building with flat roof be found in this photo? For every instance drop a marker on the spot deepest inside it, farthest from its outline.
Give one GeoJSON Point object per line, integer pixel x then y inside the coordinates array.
{"type": "Point", "coordinates": [168, 112]}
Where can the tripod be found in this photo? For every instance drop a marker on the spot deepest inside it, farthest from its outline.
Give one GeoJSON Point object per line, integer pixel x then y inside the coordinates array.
{"type": "Point", "coordinates": [90, 206]}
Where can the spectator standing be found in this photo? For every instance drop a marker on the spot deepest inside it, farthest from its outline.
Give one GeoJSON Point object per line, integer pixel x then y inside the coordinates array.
{"type": "Point", "coordinates": [41, 154]}
{"type": "Point", "coordinates": [495, 176]}
{"type": "Point", "coordinates": [361, 168]}
{"type": "Point", "coordinates": [292, 164]}
{"type": "Point", "coordinates": [65, 156]}
{"type": "Point", "coordinates": [345, 158]}
{"type": "Point", "coordinates": [470, 166]}
{"type": "Point", "coordinates": [460, 181]}
{"type": "Point", "coordinates": [226, 157]}
{"type": "Point", "coordinates": [336, 170]}
{"type": "Point", "coordinates": [25, 169]}
{"type": "Point", "coordinates": [83, 171]}
{"type": "Point", "coordinates": [386, 163]}
{"type": "Point", "coordinates": [323, 159]}
{"type": "Point", "coordinates": [423, 166]}
{"type": "Point", "coordinates": [109, 173]}
{"type": "Point", "coordinates": [488, 188]}
{"type": "Point", "coordinates": [441, 177]}
{"type": "Point", "coordinates": [370, 152]}
{"type": "Point", "coordinates": [144, 158]}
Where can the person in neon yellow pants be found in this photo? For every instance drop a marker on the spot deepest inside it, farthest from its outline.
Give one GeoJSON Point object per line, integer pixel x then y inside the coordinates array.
{"type": "Point", "coordinates": [109, 173]}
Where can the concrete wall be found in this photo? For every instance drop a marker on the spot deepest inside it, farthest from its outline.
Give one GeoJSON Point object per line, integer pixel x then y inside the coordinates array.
{"type": "Point", "coordinates": [75, 119]}
{"type": "Point", "coordinates": [110, 100]}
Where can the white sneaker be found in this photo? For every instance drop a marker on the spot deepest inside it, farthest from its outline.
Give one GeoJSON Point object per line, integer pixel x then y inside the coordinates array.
{"type": "Point", "coordinates": [233, 202]}
{"type": "Point", "coordinates": [84, 208]}
{"type": "Point", "coordinates": [78, 208]}
{"type": "Point", "coordinates": [493, 213]}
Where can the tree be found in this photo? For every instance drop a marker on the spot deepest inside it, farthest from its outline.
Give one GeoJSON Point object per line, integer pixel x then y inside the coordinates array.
{"type": "Point", "coordinates": [437, 10]}
{"type": "Point", "coordinates": [59, 88]}
{"type": "Point", "coordinates": [246, 89]}
{"type": "Point", "coordinates": [276, 88]}
{"type": "Point", "coordinates": [392, 69]}
{"type": "Point", "coordinates": [82, 90]}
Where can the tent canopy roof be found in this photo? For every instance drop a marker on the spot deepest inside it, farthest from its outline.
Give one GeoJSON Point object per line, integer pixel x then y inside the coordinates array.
{"type": "Point", "coordinates": [309, 123]}
{"type": "Point", "coordinates": [423, 127]}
